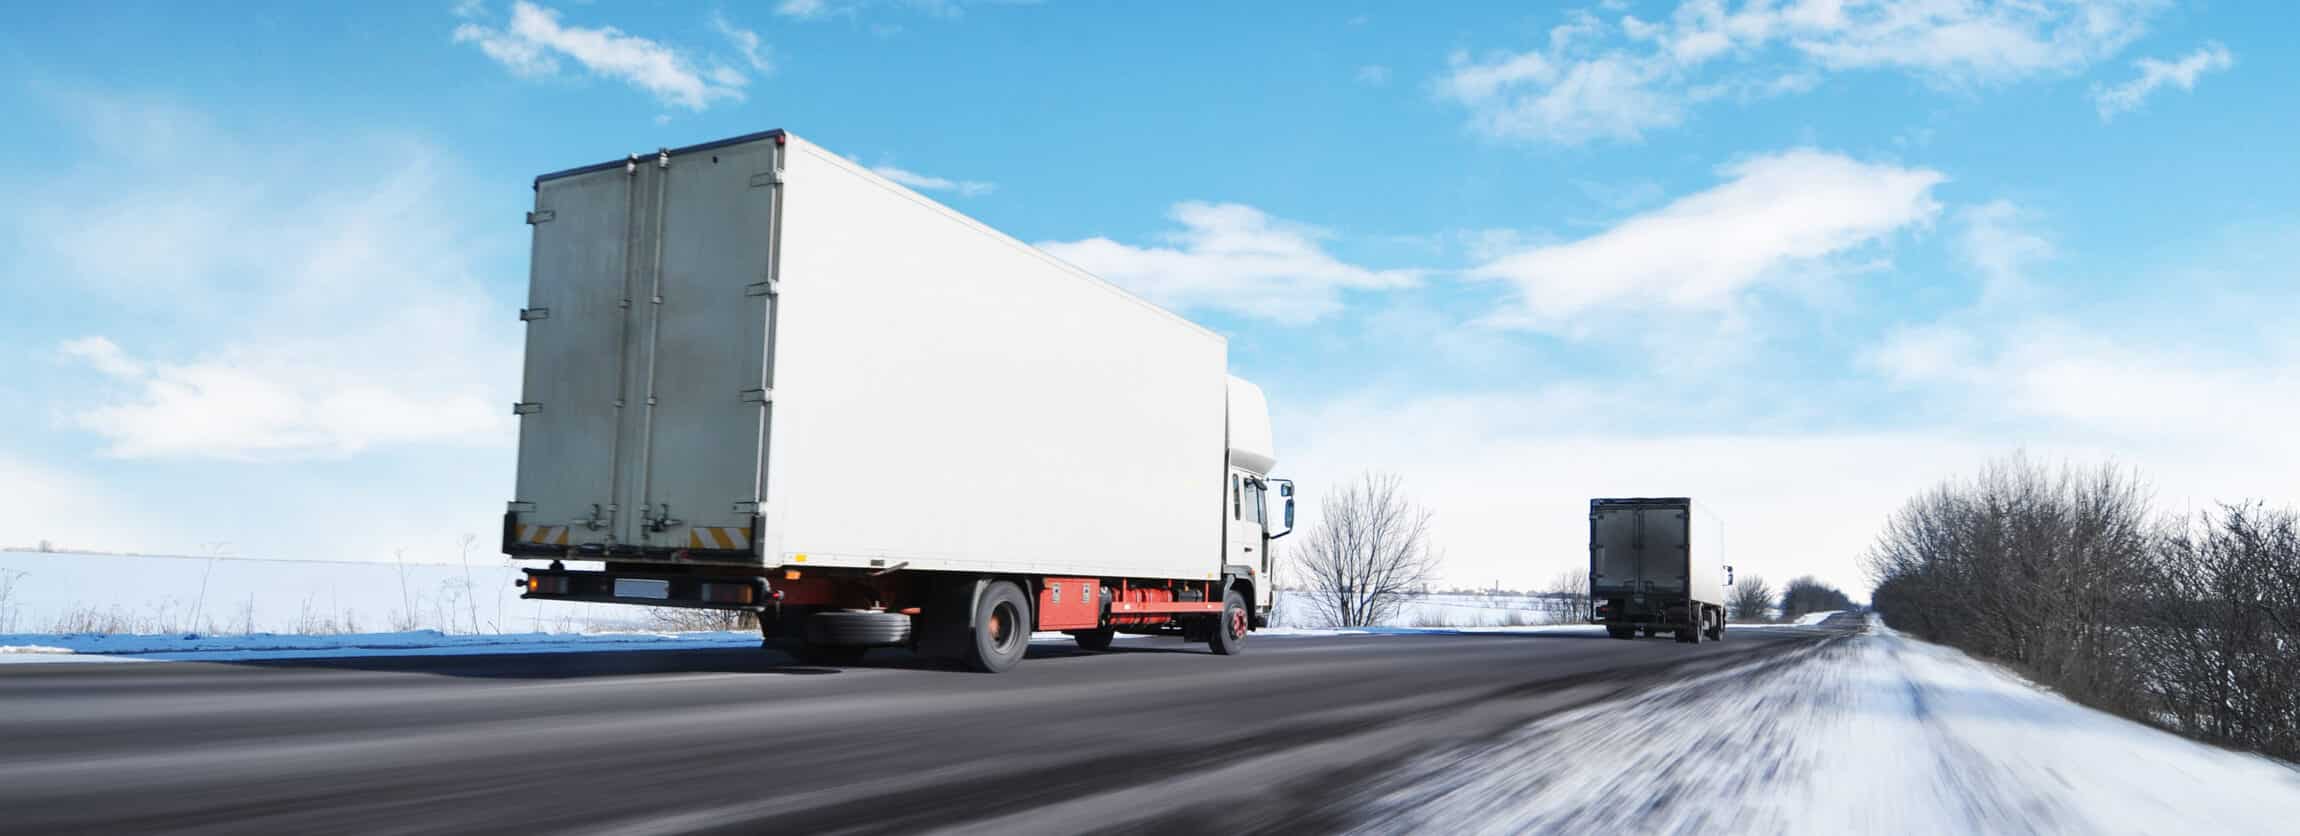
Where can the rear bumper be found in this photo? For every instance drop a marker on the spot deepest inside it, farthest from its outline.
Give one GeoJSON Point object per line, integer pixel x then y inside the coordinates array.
{"type": "Point", "coordinates": [1648, 611]}
{"type": "Point", "coordinates": [687, 590]}
{"type": "Point", "coordinates": [526, 540]}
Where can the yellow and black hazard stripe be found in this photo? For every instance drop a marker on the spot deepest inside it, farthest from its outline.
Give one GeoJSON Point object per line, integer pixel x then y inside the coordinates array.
{"type": "Point", "coordinates": [541, 535]}
{"type": "Point", "coordinates": [718, 537]}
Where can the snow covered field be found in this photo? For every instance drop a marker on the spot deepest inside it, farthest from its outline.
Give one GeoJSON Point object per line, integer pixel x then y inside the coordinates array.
{"type": "Point", "coordinates": [1870, 733]}
{"type": "Point", "coordinates": [74, 592]}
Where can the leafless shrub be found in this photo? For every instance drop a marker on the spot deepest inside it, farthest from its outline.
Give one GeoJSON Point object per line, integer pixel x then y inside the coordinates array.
{"type": "Point", "coordinates": [9, 610]}
{"type": "Point", "coordinates": [2190, 624]}
{"type": "Point", "coordinates": [1369, 550]}
{"type": "Point", "coordinates": [1751, 599]}
{"type": "Point", "coordinates": [1569, 593]}
{"type": "Point", "coordinates": [2219, 651]}
{"type": "Point", "coordinates": [685, 620]}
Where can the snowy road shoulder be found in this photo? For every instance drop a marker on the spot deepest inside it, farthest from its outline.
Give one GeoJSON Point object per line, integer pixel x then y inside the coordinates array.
{"type": "Point", "coordinates": [1869, 733]}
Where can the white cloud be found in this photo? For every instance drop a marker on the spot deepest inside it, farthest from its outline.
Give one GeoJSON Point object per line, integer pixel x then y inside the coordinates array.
{"type": "Point", "coordinates": [746, 41]}
{"type": "Point", "coordinates": [1922, 353]}
{"type": "Point", "coordinates": [813, 10]}
{"type": "Point", "coordinates": [1511, 488]}
{"type": "Point", "coordinates": [104, 356]}
{"type": "Point", "coordinates": [1234, 258]}
{"type": "Point", "coordinates": [1996, 241]}
{"type": "Point", "coordinates": [1509, 472]}
{"type": "Point", "coordinates": [1567, 103]}
{"type": "Point", "coordinates": [2155, 74]}
{"type": "Point", "coordinates": [1374, 75]}
{"type": "Point", "coordinates": [534, 40]}
{"type": "Point", "coordinates": [803, 9]}
{"type": "Point", "coordinates": [927, 183]}
{"type": "Point", "coordinates": [1596, 80]}
{"type": "Point", "coordinates": [39, 502]}
{"type": "Point", "coordinates": [355, 320]}
{"type": "Point", "coordinates": [1774, 212]}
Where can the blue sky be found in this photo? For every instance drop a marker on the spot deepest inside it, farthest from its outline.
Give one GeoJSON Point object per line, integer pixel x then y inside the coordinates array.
{"type": "Point", "coordinates": [1801, 259]}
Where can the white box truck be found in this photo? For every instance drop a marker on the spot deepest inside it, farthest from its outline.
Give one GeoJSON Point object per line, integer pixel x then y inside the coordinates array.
{"type": "Point", "coordinates": [761, 377]}
{"type": "Point", "coordinates": [1657, 565]}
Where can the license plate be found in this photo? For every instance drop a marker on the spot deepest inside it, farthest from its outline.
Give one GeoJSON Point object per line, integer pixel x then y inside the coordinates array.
{"type": "Point", "coordinates": [642, 588]}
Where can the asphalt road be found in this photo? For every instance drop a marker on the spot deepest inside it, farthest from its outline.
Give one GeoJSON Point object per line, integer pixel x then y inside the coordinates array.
{"type": "Point", "coordinates": [1152, 736]}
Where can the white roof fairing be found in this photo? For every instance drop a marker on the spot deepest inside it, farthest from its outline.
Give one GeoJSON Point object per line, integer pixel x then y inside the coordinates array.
{"type": "Point", "coordinates": [1249, 433]}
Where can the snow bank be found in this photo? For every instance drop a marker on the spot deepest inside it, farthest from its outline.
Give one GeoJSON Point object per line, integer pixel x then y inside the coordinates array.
{"type": "Point", "coordinates": [1873, 733]}
{"type": "Point", "coordinates": [1812, 618]}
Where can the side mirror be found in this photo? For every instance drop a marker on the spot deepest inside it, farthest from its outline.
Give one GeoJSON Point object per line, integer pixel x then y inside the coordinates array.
{"type": "Point", "coordinates": [1286, 489]}
{"type": "Point", "coordinates": [1728, 576]}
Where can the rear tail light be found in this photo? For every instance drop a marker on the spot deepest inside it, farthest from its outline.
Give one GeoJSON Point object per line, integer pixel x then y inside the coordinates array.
{"type": "Point", "coordinates": [728, 593]}
{"type": "Point", "coordinates": [547, 584]}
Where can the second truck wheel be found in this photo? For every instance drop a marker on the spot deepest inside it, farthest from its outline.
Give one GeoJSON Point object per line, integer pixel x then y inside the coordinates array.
{"type": "Point", "coordinates": [1001, 629]}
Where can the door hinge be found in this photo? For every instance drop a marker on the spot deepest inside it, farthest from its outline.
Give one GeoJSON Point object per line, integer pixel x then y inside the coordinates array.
{"type": "Point", "coordinates": [662, 158]}
{"type": "Point", "coordinates": [532, 314]}
{"type": "Point", "coordinates": [770, 287]}
{"type": "Point", "coordinates": [758, 396]}
{"type": "Point", "coordinates": [767, 178]}
{"type": "Point", "coordinates": [541, 216]}
{"type": "Point", "coordinates": [526, 408]}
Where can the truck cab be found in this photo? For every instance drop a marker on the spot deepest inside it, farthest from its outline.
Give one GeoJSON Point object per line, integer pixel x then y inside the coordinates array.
{"type": "Point", "coordinates": [1260, 509]}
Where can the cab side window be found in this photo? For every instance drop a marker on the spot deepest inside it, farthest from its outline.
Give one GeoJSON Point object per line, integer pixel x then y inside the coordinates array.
{"type": "Point", "coordinates": [1254, 504]}
{"type": "Point", "coordinates": [1237, 502]}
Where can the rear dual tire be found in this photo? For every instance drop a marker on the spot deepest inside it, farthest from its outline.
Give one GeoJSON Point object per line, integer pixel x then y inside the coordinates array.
{"type": "Point", "coordinates": [1094, 639]}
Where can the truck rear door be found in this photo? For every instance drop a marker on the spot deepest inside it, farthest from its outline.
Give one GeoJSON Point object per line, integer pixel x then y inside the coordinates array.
{"type": "Point", "coordinates": [573, 380]}
{"type": "Point", "coordinates": [703, 409]}
{"type": "Point", "coordinates": [639, 430]}
{"type": "Point", "coordinates": [1637, 548]}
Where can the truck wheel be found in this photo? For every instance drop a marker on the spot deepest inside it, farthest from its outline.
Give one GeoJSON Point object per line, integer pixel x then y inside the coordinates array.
{"type": "Point", "coordinates": [858, 628]}
{"type": "Point", "coordinates": [1717, 623]}
{"type": "Point", "coordinates": [1094, 639]}
{"type": "Point", "coordinates": [1001, 629]}
{"type": "Point", "coordinates": [1690, 634]}
{"type": "Point", "coordinates": [1621, 631]}
{"type": "Point", "coordinates": [1230, 632]}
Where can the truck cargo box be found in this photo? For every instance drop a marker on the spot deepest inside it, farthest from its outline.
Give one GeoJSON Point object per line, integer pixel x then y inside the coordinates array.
{"type": "Point", "coordinates": [756, 352]}
{"type": "Point", "coordinates": [1657, 563]}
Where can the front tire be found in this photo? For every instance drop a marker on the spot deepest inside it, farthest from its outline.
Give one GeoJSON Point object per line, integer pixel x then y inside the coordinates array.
{"type": "Point", "coordinates": [1230, 632]}
{"type": "Point", "coordinates": [1001, 629]}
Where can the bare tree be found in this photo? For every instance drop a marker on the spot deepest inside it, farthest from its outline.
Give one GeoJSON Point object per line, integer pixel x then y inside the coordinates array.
{"type": "Point", "coordinates": [1809, 595]}
{"type": "Point", "coordinates": [1570, 591]}
{"type": "Point", "coordinates": [1752, 599]}
{"type": "Point", "coordinates": [1368, 551]}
